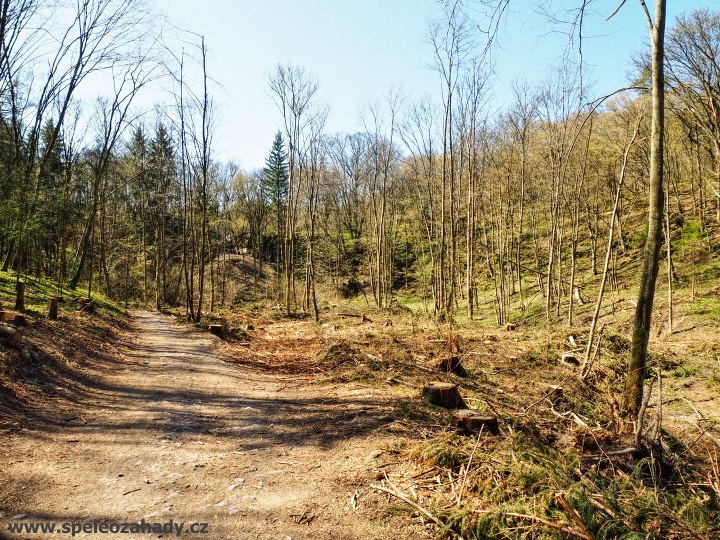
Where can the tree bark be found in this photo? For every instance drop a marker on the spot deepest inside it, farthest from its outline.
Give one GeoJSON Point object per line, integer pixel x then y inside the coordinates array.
{"type": "Point", "coordinates": [444, 395]}
{"type": "Point", "coordinates": [632, 397]}
{"type": "Point", "coordinates": [53, 309]}
{"type": "Point", "coordinates": [20, 296]}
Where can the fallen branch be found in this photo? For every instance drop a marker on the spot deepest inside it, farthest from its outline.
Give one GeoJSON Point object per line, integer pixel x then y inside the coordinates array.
{"type": "Point", "coordinates": [556, 526]}
{"type": "Point", "coordinates": [409, 501]}
{"type": "Point", "coordinates": [569, 416]}
{"type": "Point", "coordinates": [700, 416]}
{"type": "Point", "coordinates": [400, 381]}
{"type": "Point", "coordinates": [464, 480]}
{"type": "Point", "coordinates": [611, 453]}
{"type": "Point", "coordinates": [560, 498]}
{"type": "Point", "coordinates": [395, 492]}
{"type": "Point", "coordinates": [704, 432]}
{"type": "Point", "coordinates": [362, 316]}
{"type": "Point", "coordinates": [629, 450]}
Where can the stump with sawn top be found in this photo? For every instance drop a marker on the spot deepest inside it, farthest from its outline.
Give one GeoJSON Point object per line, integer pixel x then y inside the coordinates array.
{"type": "Point", "coordinates": [444, 395]}
{"type": "Point", "coordinates": [469, 421]}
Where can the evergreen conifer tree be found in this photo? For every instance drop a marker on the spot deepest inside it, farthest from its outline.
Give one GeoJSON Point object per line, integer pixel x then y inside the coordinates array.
{"type": "Point", "coordinates": [275, 188]}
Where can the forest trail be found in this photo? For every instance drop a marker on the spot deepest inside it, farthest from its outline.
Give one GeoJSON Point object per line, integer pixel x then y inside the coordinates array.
{"type": "Point", "coordinates": [173, 431]}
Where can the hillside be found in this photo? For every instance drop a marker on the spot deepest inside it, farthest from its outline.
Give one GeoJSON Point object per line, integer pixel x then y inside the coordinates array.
{"type": "Point", "coordinates": [561, 447]}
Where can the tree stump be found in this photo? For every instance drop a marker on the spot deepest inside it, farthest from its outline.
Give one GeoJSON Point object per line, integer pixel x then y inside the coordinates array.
{"type": "Point", "coordinates": [569, 359]}
{"type": "Point", "coordinates": [20, 296]}
{"type": "Point", "coordinates": [452, 364]}
{"type": "Point", "coordinates": [470, 421]}
{"type": "Point", "coordinates": [53, 309]}
{"type": "Point", "coordinates": [555, 393]}
{"type": "Point", "coordinates": [10, 336]}
{"type": "Point", "coordinates": [88, 305]}
{"type": "Point", "coordinates": [15, 318]}
{"type": "Point", "coordinates": [217, 330]}
{"type": "Point", "coordinates": [444, 395]}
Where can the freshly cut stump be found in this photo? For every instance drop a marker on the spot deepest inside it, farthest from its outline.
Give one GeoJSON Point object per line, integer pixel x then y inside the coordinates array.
{"type": "Point", "coordinates": [471, 421]}
{"type": "Point", "coordinates": [569, 360]}
{"type": "Point", "coordinates": [555, 392]}
{"type": "Point", "coordinates": [88, 305]}
{"type": "Point", "coordinates": [13, 318]}
{"type": "Point", "coordinates": [452, 364]}
{"type": "Point", "coordinates": [217, 330]}
{"type": "Point", "coordinates": [444, 395]}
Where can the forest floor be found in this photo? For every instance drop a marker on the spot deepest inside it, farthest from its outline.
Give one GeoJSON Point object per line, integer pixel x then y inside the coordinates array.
{"type": "Point", "coordinates": [161, 427]}
{"type": "Point", "coordinates": [286, 429]}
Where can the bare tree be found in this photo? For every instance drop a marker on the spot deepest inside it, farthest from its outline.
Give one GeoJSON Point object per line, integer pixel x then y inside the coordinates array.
{"type": "Point", "coordinates": [631, 139]}
{"type": "Point", "coordinates": [313, 157]}
{"type": "Point", "coordinates": [47, 49]}
{"type": "Point", "coordinates": [633, 394]}
{"type": "Point", "coordinates": [293, 90]}
{"type": "Point", "coordinates": [382, 157]}
{"type": "Point", "coordinates": [693, 74]}
{"type": "Point", "coordinates": [112, 118]}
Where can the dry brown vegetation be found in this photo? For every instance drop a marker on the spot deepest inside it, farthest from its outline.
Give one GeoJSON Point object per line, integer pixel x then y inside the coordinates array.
{"type": "Point", "coordinates": [560, 465]}
{"type": "Point", "coordinates": [564, 463]}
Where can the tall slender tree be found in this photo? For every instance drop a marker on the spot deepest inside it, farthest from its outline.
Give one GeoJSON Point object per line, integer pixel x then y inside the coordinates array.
{"type": "Point", "coordinates": [275, 187]}
{"type": "Point", "coordinates": [633, 395]}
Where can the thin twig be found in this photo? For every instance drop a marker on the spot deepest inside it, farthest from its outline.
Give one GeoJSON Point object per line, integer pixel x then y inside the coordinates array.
{"type": "Point", "coordinates": [396, 493]}
{"type": "Point", "coordinates": [464, 480]}
{"type": "Point", "coordinates": [569, 416]}
{"type": "Point", "coordinates": [616, 10]}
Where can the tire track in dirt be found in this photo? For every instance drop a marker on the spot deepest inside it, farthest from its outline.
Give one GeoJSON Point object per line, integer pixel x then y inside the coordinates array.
{"type": "Point", "coordinates": [176, 433]}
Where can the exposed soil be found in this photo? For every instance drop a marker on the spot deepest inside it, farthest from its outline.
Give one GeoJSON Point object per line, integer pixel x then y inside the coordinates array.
{"type": "Point", "coordinates": [164, 427]}
{"type": "Point", "coordinates": [281, 430]}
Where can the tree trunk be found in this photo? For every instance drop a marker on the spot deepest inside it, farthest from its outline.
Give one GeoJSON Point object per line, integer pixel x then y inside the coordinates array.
{"type": "Point", "coordinates": [53, 309]}
{"type": "Point", "coordinates": [632, 397]}
{"type": "Point", "coordinates": [444, 395]}
{"type": "Point", "coordinates": [20, 296]}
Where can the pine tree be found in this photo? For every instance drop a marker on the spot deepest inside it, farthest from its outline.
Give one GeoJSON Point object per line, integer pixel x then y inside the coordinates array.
{"type": "Point", "coordinates": [275, 187]}
{"type": "Point", "coordinates": [161, 172]}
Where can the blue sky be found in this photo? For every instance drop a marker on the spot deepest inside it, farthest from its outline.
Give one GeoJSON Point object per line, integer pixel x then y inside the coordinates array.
{"type": "Point", "coordinates": [360, 49]}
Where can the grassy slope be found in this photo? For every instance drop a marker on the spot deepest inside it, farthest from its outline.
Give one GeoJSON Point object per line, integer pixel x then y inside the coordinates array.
{"type": "Point", "coordinates": [55, 359]}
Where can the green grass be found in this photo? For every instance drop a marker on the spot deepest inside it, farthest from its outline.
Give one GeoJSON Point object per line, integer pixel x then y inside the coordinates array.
{"type": "Point", "coordinates": [682, 372]}
{"type": "Point", "coordinates": [705, 307]}
{"type": "Point", "coordinates": [38, 292]}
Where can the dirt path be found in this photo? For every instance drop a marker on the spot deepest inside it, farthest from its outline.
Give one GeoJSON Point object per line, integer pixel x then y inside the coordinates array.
{"type": "Point", "coordinates": [174, 432]}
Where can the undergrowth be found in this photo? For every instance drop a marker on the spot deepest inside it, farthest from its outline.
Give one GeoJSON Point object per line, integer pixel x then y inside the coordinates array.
{"type": "Point", "coordinates": [515, 487]}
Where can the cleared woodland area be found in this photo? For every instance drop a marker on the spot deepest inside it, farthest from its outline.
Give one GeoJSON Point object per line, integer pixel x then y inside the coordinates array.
{"type": "Point", "coordinates": [474, 288]}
